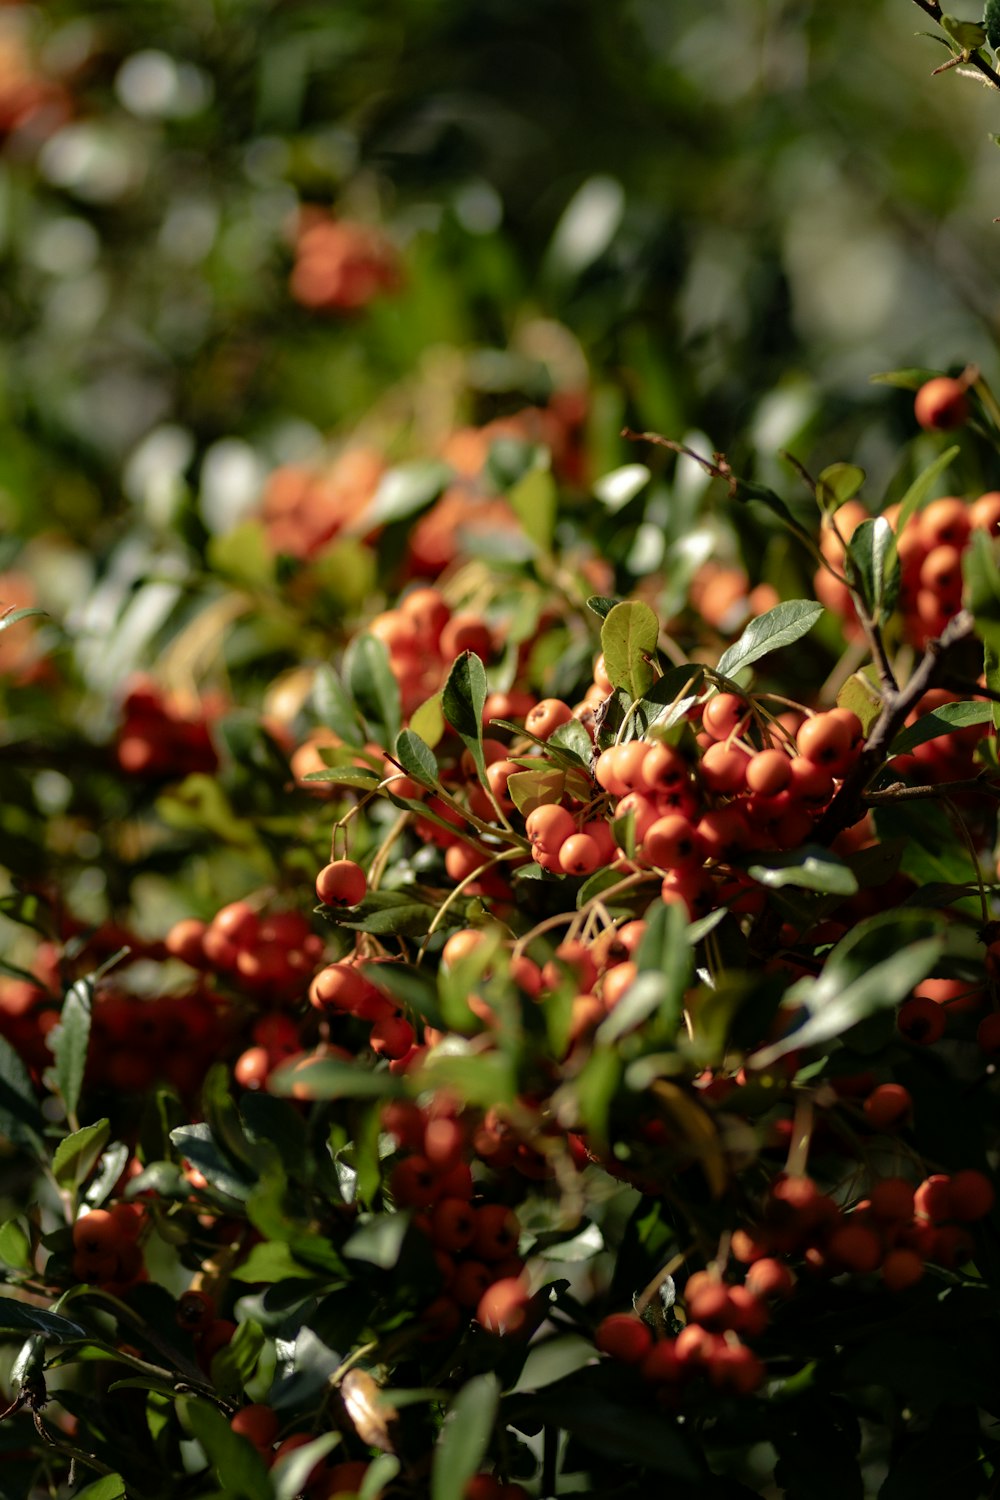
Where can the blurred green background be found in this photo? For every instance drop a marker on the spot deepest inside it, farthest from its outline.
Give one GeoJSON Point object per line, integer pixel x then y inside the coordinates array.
{"type": "Point", "coordinates": [739, 210]}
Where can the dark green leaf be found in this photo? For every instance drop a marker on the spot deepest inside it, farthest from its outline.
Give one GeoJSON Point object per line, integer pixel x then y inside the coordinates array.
{"type": "Point", "coordinates": [601, 605]}
{"type": "Point", "coordinates": [20, 1118]}
{"type": "Point", "coordinates": [233, 1365]}
{"type": "Point", "coordinates": [20, 1317]}
{"type": "Point", "coordinates": [780, 626]}
{"type": "Point", "coordinates": [463, 697]}
{"type": "Point", "coordinates": [464, 1437]}
{"type": "Point", "coordinates": [334, 708]}
{"type": "Point", "coordinates": [417, 758]}
{"type": "Point", "coordinates": [812, 868]}
{"type": "Point", "coordinates": [872, 566]}
{"type": "Point", "coordinates": [925, 481]}
{"type": "Point", "coordinates": [12, 618]}
{"type": "Point", "coordinates": [378, 1240]}
{"type": "Point", "coordinates": [196, 1144]}
{"type": "Point", "coordinates": [69, 1041]}
{"type": "Point", "coordinates": [613, 1427]}
{"type": "Point", "coordinates": [940, 722]}
{"type": "Point", "coordinates": [389, 912]}
{"type": "Point", "coordinates": [373, 687]}
{"type": "Point", "coordinates": [76, 1154]}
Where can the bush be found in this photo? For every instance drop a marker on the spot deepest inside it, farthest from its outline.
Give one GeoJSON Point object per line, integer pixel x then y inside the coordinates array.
{"type": "Point", "coordinates": [500, 949]}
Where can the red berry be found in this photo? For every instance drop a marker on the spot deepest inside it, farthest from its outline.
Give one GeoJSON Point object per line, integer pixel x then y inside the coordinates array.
{"type": "Point", "coordinates": [341, 883]}
{"type": "Point", "coordinates": [972, 1196]}
{"type": "Point", "coordinates": [941, 404]}
{"type": "Point", "coordinates": [625, 1337]}
{"type": "Point", "coordinates": [503, 1307]}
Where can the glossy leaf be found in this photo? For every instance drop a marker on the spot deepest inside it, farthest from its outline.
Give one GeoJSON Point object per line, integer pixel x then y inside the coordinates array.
{"type": "Point", "coordinates": [108, 1487]}
{"type": "Point", "coordinates": [601, 605]}
{"type": "Point", "coordinates": [939, 722]}
{"type": "Point", "coordinates": [812, 868]}
{"type": "Point", "coordinates": [197, 1145]}
{"type": "Point", "coordinates": [404, 490]}
{"type": "Point", "coordinates": [69, 1042]}
{"type": "Point", "coordinates": [838, 483]}
{"type": "Point", "coordinates": [872, 566]}
{"type": "Point", "coordinates": [464, 695]}
{"type": "Point", "coordinates": [616, 489]}
{"type": "Point", "coordinates": [417, 758]}
{"type": "Point", "coordinates": [289, 1474]}
{"type": "Point", "coordinates": [378, 1240]}
{"type": "Point", "coordinates": [77, 1154]}
{"type": "Point", "coordinates": [23, 1318]}
{"type": "Point", "coordinates": [781, 626]}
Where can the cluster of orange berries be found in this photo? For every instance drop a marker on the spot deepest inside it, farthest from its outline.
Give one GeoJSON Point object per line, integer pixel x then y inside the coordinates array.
{"type": "Point", "coordinates": [423, 637]}
{"type": "Point", "coordinates": [474, 1244]}
{"type": "Point", "coordinates": [930, 548]}
{"type": "Point", "coordinates": [895, 1230]}
{"type": "Point", "coordinates": [267, 956]}
{"type": "Point", "coordinates": [340, 266]}
{"type": "Point", "coordinates": [304, 509]}
{"type": "Point", "coordinates": [159, 736]}
{"type": "Point", "coordinates": [106, 1249]}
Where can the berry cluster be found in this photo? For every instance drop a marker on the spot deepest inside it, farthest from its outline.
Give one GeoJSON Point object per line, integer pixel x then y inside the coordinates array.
{"type": "Point", "coordinates": [340, 266]}
{"type": "Point", "coordinates": [160, 737]}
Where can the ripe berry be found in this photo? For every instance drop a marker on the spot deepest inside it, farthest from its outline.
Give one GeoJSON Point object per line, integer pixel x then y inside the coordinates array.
{"type": "Point", "coordinates": [892, 1200]}
{"type": "Point", "coordinates": [725, 715]}
{"type": "Point", "coordinates": [768, 772]}
{"type": "Point", "coordinates": [625, 1337]}
{"type": "Point", "coordinates": [768, 1277]}
{"type": "Point", "coordinates": [503, 1307]}
{"type": "Point", "coordinates": [921, 1020]}
{"type": "Point", "coordinates": [258, 1423]}
{"type": "Point", "coordinates": [341, 883]}
{"type": "Point", "coordinates": [888, 1105]}
{"type": "Point", "coordinates": [941, 404]}
{"type": "Point", "coordinates": [97, 1233]}
{"type": "Point", "coordinates": [902, 1268]}
{"type": "Point", "coordinates": [972, 1196]}
{"type": "Point", "coordinates": [932, 1199]}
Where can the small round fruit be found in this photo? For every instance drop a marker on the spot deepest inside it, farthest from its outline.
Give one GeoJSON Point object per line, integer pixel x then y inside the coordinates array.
{"type": "Point", "coordinates": [941, 404]}
{"type": "Point", "coordinates": [625, 1337]}
{"type": "Point", "coordinates": [341, 883]}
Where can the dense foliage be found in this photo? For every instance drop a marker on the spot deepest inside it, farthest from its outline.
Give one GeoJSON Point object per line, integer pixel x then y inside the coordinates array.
{"type": "Point", "coordinates": [499, 937]}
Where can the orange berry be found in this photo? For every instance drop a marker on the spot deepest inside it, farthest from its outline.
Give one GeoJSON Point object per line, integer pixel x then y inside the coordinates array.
{"type": "Point", "coordinates": [341, 883]}
{"type": "Point", "coordinates": [503, 1307]}
{"type": "Point", "coordinates": [888, 1105]}
{"type": "Point", "coordinates": [625, 1337]}
{"type": "Point", "coordinates": [941, 404]}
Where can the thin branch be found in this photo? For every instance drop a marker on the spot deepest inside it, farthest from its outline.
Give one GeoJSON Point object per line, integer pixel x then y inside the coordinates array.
{"type": "Point", "coordinates": [900, 792]}
{"type": "Point", "coordinates": [989, 74]}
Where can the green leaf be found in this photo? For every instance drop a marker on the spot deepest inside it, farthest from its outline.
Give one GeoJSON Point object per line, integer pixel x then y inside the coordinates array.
{"type": "Point", "coordinates": [968, 34]}
{"type": "Point", "coordinates": [234, 1364]}
{"type": "Point", "coordinates": [108, 1487]}
{"type": "Point", "coordinates": [780, 626]}
{"type": "Point", "coordinates": [428, 720]}
{"type": "Point", "coordinates": [616, 489]}
{"type": "Point", "coordinates": [289, 1474]}
{"type": "Point", "coordinates": [982, 597]}
{"type": "Point", "coordinates": [533, 500]}
{"type": "Point", "coordinates": [628, 640]}
{"type": "Point", "coordinates": [464, 696]}
{"type": "Point", "coordinates": [69, 1041]}
{"type": "Point", "coordinates": [15, 615]}
{"type": "Point", "coordinates": [378, 1240]}
{"type": "Point", "coordinates": [464, 1437]}
{"type": "Point", "coordinates": [406, 489]}
{"type": "Point", "coordinates": [76, 1154]}
{"type": "Point", "coordinates": [15, 1246]}
{"type": "Point", "coordinates": [667, 701]}
{"type": "Point", "coordinates": [925, 480]}
{"type": "Point", "coordinates": [595, 1088]}
{"type": "Point", "coordinates": [328, 1078]}
{"type": "Point", "coordinates": [906, 380]}
{"type": "Point", "coordinates": [334, 708]}
{"type": "Point", "coordinates": [941, 721]}
{"type": "Point", "coordinates": [812, 868]}
{"type": "Point", "coordinates": [609, 1423]}
{"type": "Point", "coordinates": [991, 20]}
{"type": "Point", "coordinates": [837, 484]}
{"type": "Point", "coordinates": [417, 758]}
{"type": "Point", "coordinates": [872, 566]}
{"type": "Point", "coordinates": [20, 1317]}
{"type": "Point", "coordinates": [373, 687]}
{"type": "Point", "coordinates": [601, 605]}
{"type": "Point", "coordinates": [272, 1261]}
{"type": "Point", "coordinates": [931, 849]}
{"type": "Point", "coordinates": [379, 1474]}
{"type": "Point", "coordinates": [354, 776]}
{"type": "Point", "coordinates": [197, 1145]}
{"type": "Point", "coordinates": [863, 698]}
{"type": "Point", "coordinates": [237, 1464]}
{"type": "Point", "coordinates": [20, 1118]}
{"type": "Point", "coordinates": [530, 789]}
{"type": "Point", "coordinates": [389, 913]}
{"type": "Point", "coordinates": [665, 960]}
{"type": "Point", "coordinates": [487, 1078]}
{"type": "Point", "coordinates": [553, 1359]}
{"type": "Point", "coordinates": [834, 1007]}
